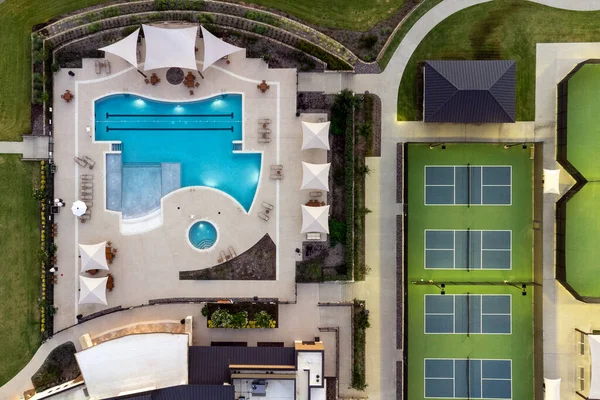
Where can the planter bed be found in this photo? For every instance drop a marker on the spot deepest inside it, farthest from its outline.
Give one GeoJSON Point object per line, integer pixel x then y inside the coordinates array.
{"type": "Point", "coordinates": [251, 308]}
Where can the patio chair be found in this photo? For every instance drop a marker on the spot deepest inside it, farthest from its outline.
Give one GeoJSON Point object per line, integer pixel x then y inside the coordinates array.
{"type": "Point", "coordinates": [316, 194]}
{"type": "Point", "coordinates": [191, 92]}
{"type": "Point", "coordinates": [197, 84]}
{"type": "Point", "coordinates": [263, 216]}
{"type": "Point", "coordinates": [87, 185]}
{"type": "Point", "coordinates": [313, 236]}
{"type": "Point", "coordinates": [87, 191]}
{"type": "Point", "coordinates": [222, 257]}
{"type": "Point", "coordinates": [86, 197]}
{"type": "Point", "coordinates": [89, 204]}
{"type": "Point", "coordinates": [80, 162]}
{"type": "Point", "coordinates": [147, 81]}
{"type": "Point", "coordinates": [97, 67]}
{"type": "Point", "coordinates": [88, 130]}
{"type": "Point", "coordinates": [264, 140]}
{"type": "Point", "coordinates": [267, 205]}
{"type": "Point", "coordinates": [232, 252]}
{"type": "Point", "coordinates": [85, 217]}
{"type": "Point", "coordinates": [89, 161]}
{"type": "Point", "coordinates": [107, 67]}
{"type": "Point", "coordinates": [86, 177]}
{"type": "Point", "coordinates": [276, 167]}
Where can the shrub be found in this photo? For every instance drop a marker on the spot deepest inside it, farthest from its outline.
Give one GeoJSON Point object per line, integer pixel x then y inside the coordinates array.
{"type": "Point", "coordinates": [205, 311]}
{"type": "Point", "coordinates": [368, 41]}
{"type": "Point", "coordinates": [333, 63]}
{"type": "Point", "coordinates": [262, 17]}
{"type": "Point", "coordinates": [95, 27]}
{"type": "Point", "coordinates": [38, 56]}
{"type": "Point", "coordinates": [39, 194]}
{"type": "Point", "coordinates": [55, 67]}
{"type": "Point", "coordinates": [363, 170]}
{"type": "Point", "coordinates": [360, 325]}
{"type": "Point", "coordinates": [259, 29]}
{"type": "Point", "coordinates": [161, 5]}
{"type": "Point", "coordinates": [239, 320]}
{"type": "Point", "coordinates": [337, 232]}
{"type": "Point", "coordinates": [343, 105]}
{"type": "Point", "coordinates": [110, 12]}
{"type": "Point", "coordinates": [263, 320]}
{"type": "Point", "coordinates": [37, 42]}
{"type": "Point", "coordinates": [221, 319]}
{"type": "Point", "coordinates": [205, 18]}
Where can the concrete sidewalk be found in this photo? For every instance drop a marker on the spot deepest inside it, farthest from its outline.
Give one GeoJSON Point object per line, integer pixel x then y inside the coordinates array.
{"type": "Point", "coordinates": [11, 147]}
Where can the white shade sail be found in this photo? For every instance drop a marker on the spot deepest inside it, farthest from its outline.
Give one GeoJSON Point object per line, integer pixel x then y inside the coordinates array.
{"type": "Point", "coordinates": [315, 135]}
{"type": "Point", "coordinates": [315, 219]}
{"type": "Point", "coordinates": [125, 48]}
{"type": "Point", "coordinates": [92, 290]}
{"type": "Point", "coordinates": [315, 176]}
{"type": "Point", "coordinates": [552, 389]}
{"type": "Point", "coordinates": [167, 47]}
{"type": "Point", "coordinates": [93, 256]}
{"type": "Point", "coordinates": [594, 341]}
{"type": "Point", "coordinates": [78, 208]}
{"type": "Point", "coordinates": [215, 48]}
{"type": "Point", "coordinates": [551, 181]}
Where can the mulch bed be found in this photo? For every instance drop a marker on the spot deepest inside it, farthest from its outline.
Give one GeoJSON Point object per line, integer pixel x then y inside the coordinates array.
{"type": "Point", "coordinates": [37, 119]}
{"type": "Point", "coordinates": [255, 264]}
{"type": "Point", "coordinates": [59, 367]}
{"type": "Point", "coordinates": [252, 308]}
{"type": "Point", "coordinates": [399, 283]}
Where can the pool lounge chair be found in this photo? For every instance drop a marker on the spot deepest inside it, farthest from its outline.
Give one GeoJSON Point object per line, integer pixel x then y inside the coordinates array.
{"type": "Point", "coordinates": [80, 162]}
{"type": "Point", "coordinates": [277, 176]}
{"type": "Point", "coordinates": [89, 161]}
{"type": "Point", "coordinates": [313, 236]}
{"type": "Point", "coordinates": [232, 252]}
{"type": "Point", "coordinates": [263, 216]}
{"type": "Point", "coordinates": [87, 191]}
{"type": "Point", "coordinates": [267, 205]}
{"type": "Point", "coordinates": [264, 130]}
{"type": "Point", "coordinates": [89, 204]}
{"type": "Point", "coordinates": [107, 67]}
{"type": "Point", "coordinates": [264, 140]}
{"type": "Point", "coordinates": [221, 257]}
{"type": "Point", "coordinates": [264, 121]}
{"type": "Point", "coordinates": [316, 194]}
{"type": "Point", "coordinates": [86, 177]}
{"type": "Point", "coordinates": [87, 184]}
{"type": "Point", "coordinates": [86, 197]}
{"type": "Point", "coordinates": [97, 67]}
{"type": "Point", "coordinates": [85, 217]}
{"type": "Point", "coordinates": [276, 167]}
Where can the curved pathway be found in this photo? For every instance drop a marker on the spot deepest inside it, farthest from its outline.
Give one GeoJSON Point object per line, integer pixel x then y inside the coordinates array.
{"type": "Point", "coordinates": [382, 345]}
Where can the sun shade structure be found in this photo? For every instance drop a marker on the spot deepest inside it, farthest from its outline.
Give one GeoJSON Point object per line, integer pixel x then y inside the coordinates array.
{"type": "Point", "coordinates": [470, 91]}
{"type": "Point", "coordinates": [551, 181]}
{"type": "Point", "coordinates": [552, 389]}
{"type": "Point", "coordinates": [315, 176]}
{"type": "Point", "coordinates": [135, 363]}
{"type": "Point", "coordinates": [78, 208]}
{"type": "Point", "coordinates": [125, 48]}
{"type": "Point", "coordinates": [215, 48]}
{"type": "Point", "coordinates": [166, 48]}
{"type": "Point", "coordinates": [92, 290]}
{"type": "Point", "coordinates": [315, 135]}
{"type": "Point", "coordinates": [594, 341]}
{"type": "Point", "coordinates": [93, 256]}
{"type": "Point", "coordinates": [315, 219]}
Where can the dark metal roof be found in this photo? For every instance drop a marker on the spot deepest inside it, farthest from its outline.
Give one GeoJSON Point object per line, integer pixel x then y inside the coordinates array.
{"type": "Point", "coordinates": [185, 392]}
{"type": "Point", "coordinates": [470, 91]}
{"type": "Point", "coordinates": [210, 365]}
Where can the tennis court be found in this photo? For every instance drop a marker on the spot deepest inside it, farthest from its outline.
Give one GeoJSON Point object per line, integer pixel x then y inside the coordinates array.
{"type": "Point", "coordinates": [468, 249]}
{"type": "Point", "coordinates": [468, 314]}
{"type": "Point", "coordinates": [468, 185]}
{"type": "Point", "coordinates": [449, 378]}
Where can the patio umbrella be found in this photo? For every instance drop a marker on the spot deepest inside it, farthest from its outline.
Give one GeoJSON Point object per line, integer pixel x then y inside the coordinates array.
{"type": "Point", "coordinates": [315, 135]}
{"type": "Point", "coordinates": [93, 256]}
{"type": "Point", "coordinates": [315, 219]}
{"type": "Point", "coordinates": [315, 176]}
{"type": "Point", "coordinates": [92, 290]}
{"type": "Point", "coordinates": [78, 208]}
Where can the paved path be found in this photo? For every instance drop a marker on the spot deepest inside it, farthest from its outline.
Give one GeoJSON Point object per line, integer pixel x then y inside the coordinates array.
{"type": "Point", "coordinates": [11, 147]}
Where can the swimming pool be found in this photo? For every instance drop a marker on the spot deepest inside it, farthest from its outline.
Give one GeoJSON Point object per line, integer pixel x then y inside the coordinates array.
{"type": "Point", "coordinates": [202, 235]}
{"type": "Point", "coordinates": [168, 145]}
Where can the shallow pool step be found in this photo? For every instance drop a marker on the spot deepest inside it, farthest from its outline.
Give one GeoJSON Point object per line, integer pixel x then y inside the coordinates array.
{"type": "Point", "coordinates": [114, 178]}
{"type": "Point", "coordinates": [205, 244]}
{"type": "Point", "coordinates": [170, 177]}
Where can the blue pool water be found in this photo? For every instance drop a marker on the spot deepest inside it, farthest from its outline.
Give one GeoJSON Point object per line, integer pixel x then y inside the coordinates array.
{"type": "Point", "coordinates": [168, 145]}
{"type": "Point", "coordinates": [202, 235]}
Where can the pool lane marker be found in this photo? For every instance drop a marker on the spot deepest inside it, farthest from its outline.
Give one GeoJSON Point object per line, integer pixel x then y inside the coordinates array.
{"type": "Point", "coordinates": [230, 115]}
{"type": "Point", "coordinates": [108, 129]}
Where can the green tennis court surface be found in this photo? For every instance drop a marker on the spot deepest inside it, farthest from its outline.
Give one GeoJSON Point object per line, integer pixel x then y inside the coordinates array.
{"type": "Point", "coordinates": [583, 217]}
{"type": "Point", "coordinates": [470, 217]}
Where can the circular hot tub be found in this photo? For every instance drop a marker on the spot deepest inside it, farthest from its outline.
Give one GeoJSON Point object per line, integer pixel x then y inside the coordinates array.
{"type": "Point", "coordinates": [202, 235]}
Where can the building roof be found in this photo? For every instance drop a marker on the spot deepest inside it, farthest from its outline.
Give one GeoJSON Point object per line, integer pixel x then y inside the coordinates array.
{"type": "Point", "coordinates": [185, 392]}
{"type": "Point", "coordinates": [470, 91]}
{"type": "Point", "coordinates": [209, 365]}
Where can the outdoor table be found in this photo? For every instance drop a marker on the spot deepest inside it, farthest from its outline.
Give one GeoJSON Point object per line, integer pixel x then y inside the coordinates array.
{"type": "Point", "coordinates": [263, 87]}
{"type": "Point", "coordinates": [68, 96]}
{"type": "Point", "coordinates": [154, 79]}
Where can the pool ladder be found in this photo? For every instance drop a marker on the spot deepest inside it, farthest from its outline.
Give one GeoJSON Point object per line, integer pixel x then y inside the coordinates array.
{"type": "Point", "coordinates": [117, 147]}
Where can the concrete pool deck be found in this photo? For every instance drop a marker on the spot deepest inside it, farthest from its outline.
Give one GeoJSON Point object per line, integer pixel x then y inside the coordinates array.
{"type": "Point", "coordinates": [152, 252]}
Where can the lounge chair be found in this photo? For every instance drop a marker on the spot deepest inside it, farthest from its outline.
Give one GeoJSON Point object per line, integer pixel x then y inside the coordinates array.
{"type": "Point", "coordinates": [263, 121]}
{"type": "Point", "coordinates": [86, 197]}
{"type": "Point", "coordinates": [87, 191]}
{"type": "Point", "coordinates": [86, 185]}
{"type": "Point", "coordinates": [232, 252]}
{"type": "Point", "coordinates": [85, 217]}
{"type": "Point", "coordinates": [263, 216]}
{"type": "Point", "coordinates": [264, 140]}
{"type": "Point", "coordinates": [276, 167]}
{"type": "Point", "coordinates": [97, 67]}
{"type": "Point", "coordinates": [267, 205]}
{"type": "Point", "coordinates": [107, 67]}
{"type": "Point", "coordinates": [222, 257]}
{"type": "Point", "coordinates": [89, 161]}
{"type": "Point", "coordinates": [147, 81]}
{"type": "Point", "coordinates": [89, 204]}
{"type": "Point", "coordinates": [197, 84]}
{"type": "Point", "coordinates": [264, 130]}
{"type": "Point", "coordinates": [86, 177]}
{"type": "Point", "coordinates": [276, 176]}
{"type": "Point", "coordinates": [313, 236]}
{"type": "Point", "coordinates": [316, 194]}
{"type": "Point", "coordinates": [80, 162]}
{"type": "Point", "coordinates": [191, 92]}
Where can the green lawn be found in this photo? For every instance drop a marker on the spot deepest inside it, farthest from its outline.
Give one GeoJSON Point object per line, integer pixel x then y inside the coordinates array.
{"type": "Point", "coordinates": [517, 217]}
{"type": "Point", "coordinates": [507, 29]}
{"type": "Point", "coordinates": [20, 283]}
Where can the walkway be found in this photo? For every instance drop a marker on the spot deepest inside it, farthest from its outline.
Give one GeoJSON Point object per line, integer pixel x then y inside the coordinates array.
{"type": "Point", "coordinates": [11, 147]}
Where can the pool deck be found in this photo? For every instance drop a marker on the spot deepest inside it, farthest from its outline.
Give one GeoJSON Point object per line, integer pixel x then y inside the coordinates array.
{"type": "Point", "coordinates": [148, 262]}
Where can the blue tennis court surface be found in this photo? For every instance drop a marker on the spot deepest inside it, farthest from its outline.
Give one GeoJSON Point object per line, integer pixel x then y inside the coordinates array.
{"type": "Point", "coordinates": [468, 185]}
{"type": "Point", "coordinates": [468, 313]}
{"type": "Point", "coordinates": [468, 249]}
{"type": "Point", "coordinates": [450, 378]}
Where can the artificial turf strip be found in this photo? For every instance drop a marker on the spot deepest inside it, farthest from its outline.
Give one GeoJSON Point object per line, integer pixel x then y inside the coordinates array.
{"type": "Point", "coordinates": [508, 30]}
{"type": "Point", "coordinates": [519, 345]}
{"type": "Point", "coordinates": [20, 283]}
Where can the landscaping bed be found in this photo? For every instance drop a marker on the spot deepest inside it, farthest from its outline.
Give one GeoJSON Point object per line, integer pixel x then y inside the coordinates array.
{"type": "Point", "coordinates": [59, 367]}
{"type": "Point", "coordinates": [256, 264]}
{"type": "Point", "coordinates": [242, 315]}
{"type": "Point", "coordinates": [360, 324]}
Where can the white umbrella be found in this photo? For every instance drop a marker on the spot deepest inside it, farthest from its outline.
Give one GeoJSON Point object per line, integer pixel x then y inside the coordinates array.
{"type": "Point", "coordinates": [551, 181]}
{"type": "Point", "coordinates": [315, 135]}
{"type": "Point", "coordinates": [93, 256]}
{"type": "Point", "coordinates": [315, 176]}
{"type": "Point", "coordinates": [78, 208]}
{"type": "Point", "coordinates": [315, 219]}
{"type": "Point", "coordinates": [92, 290]}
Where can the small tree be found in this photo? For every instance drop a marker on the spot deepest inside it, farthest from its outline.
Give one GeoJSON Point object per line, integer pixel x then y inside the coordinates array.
{"type": "Point", "coordinates": [39, 194]}
{"type": "Point", "coordinates": [205, 311]}
{"type": "Point", "coordinates": [263, 319]}
{"type": "Point", "coordinates": [239, 320]}
{"type": "Point", "coordinates": [221, 318]}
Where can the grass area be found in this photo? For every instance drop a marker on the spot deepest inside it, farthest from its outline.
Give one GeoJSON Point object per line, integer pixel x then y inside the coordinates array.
{"type": "Point", "coordinates": [582, 231]}
{"type": "Point", "coordinates": [507, 29]}
{"type": "Point", "coordinates": [421, 10]}
{"type": "Point", "coordinates": [358, 15]}
{"type": "Point", "coordinates": [517, 346]}
{"type": "Point", "coordinates": [20, 283]}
